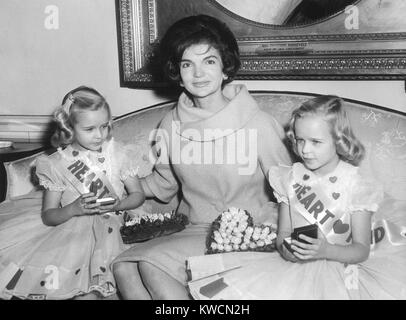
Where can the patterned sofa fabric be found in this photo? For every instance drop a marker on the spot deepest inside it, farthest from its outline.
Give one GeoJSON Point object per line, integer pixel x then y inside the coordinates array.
{"type": "Point", "coordinates": [383, 133]}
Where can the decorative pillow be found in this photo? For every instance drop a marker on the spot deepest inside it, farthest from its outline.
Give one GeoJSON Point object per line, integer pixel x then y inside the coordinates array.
{"type": "Point", "coordinates": [21, 177]}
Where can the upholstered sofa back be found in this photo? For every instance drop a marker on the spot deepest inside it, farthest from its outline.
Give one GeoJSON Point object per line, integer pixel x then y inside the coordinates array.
{"type": "Point", "coordinates": [383, 133]}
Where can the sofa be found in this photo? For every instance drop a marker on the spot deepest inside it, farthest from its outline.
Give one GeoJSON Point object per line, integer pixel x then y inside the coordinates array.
{"type": "Point", "coordinates": [382, 131]}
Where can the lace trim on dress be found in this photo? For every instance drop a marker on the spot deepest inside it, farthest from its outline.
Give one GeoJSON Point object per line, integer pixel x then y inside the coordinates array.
{"type": "Point", "coordinates": [50, 186]}
{"type": "Point", "coordinates": [373, 207]}
{"type": "Point", "coordinates": [281, 198]}
{"type": "Point", "coordinates": [129, 173]}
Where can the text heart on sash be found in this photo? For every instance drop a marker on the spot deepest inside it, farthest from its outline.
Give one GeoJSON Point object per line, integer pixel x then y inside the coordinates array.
{"type": "Point", "coordinates": [80, 174]}
{"type": "Point", "coordinates": [316, 207]}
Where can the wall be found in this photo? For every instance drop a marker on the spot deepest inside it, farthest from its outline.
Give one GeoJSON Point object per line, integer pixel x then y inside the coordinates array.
{"type": "Point", "coordinates": [38, 66]}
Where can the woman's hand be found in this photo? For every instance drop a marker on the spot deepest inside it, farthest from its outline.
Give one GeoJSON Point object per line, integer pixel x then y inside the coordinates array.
{"type": "Point", "coordinates": [315, 249]}
{"type": "Point", "coordinates": [85, 205]}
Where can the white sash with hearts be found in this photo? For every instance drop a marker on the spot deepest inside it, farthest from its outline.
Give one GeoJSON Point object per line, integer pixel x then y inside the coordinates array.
{"type": "Point", "coordinates": [80, 173]}
{"type": "Point", "coordinates": [316, 207]}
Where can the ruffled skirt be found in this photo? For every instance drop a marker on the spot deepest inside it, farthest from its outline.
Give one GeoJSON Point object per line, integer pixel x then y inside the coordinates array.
{"type": "Point", "coordinates": [43, 262]}
{"type": "Point", "coordinates": [253, 275]}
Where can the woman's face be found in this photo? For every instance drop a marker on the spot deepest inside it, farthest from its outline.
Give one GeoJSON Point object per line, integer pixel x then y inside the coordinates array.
{"type": "Point", "coordinates": [201, 70]}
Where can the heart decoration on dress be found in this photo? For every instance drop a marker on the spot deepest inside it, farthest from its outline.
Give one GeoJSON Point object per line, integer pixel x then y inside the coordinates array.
{"type": "Point", "coordinates": [333, 179]}
{"type": "Point", "coordinates": [75, 153]}
{"type": "Point", "coordinates": [101, 160]}
{"type": "Point", "coordinates": [335, 195]}
{"type": "Point", "coordinates": [339, 227]}
{"type": "Point", "coordinates": [306, 177]}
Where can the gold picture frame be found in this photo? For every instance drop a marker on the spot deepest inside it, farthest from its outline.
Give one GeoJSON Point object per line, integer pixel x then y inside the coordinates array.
{"type": "Point", "coordinates": [365, 41]}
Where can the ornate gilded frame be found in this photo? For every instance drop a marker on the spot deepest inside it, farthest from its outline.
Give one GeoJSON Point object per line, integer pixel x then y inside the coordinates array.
{"type": "Point", "coordinates": [324, 50]}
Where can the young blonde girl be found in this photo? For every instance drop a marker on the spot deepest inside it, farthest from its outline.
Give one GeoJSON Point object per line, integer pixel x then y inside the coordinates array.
{"type": "Point", "coordinates": [325, 189]}
{"type": "Point", "coordinates": [63, 249]}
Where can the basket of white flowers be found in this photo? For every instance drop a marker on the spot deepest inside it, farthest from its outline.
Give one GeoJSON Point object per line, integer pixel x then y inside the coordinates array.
{"type": "Point", "coordinates": [153, 225]}
{"type": "Point", "coordinates": [234, 230]}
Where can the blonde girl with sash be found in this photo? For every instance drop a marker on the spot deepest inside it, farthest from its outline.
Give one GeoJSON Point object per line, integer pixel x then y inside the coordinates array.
{"type": "Point", "coordinates": [325, 189]}
{"type": "Point", "coordinates": [62, 247]}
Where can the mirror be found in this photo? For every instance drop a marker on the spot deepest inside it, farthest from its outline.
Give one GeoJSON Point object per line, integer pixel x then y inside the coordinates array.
{"type": "Point", "coordinates": [285, 12]}
{"type": "Point", "coordinates": [364, 41]}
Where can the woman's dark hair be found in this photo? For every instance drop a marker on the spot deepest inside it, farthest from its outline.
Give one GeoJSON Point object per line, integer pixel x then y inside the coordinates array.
{"type": "Point", "coordinates": [197, 30]}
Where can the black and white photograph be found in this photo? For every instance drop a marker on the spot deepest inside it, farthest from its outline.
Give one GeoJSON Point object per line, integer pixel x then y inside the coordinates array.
{"type": "Point", "coordinates": [217, 152]}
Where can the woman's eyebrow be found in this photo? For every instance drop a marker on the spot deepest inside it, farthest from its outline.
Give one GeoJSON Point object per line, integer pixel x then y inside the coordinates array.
{"type": "Point", "coordinates": [211, 57]}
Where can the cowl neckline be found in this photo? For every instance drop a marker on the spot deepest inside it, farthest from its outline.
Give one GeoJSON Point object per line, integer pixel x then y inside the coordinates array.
{"type": "Point", "coordinates": [209, 126]}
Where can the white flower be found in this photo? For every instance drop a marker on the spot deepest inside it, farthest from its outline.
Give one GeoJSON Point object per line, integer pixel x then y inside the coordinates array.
{"type": "Point", "coordinates": [218, 240]}
{"type": "Point", "coordinates": [167, 215]}
{"type": "Point", "coordinates": [272, 235]}
{"type": "Point", "coordinates": [236, 240]}
{"type": "Point", "coordinates": [243, 246]}
{"type": "Point", "coordinates": [260, 243]}
{"type": "Point", "coordinates": [228, 247]}
{"type": "Point", "coordinates": [236, 247]}
{"type": "Point", "coordinates": [161, 217]}
{"type": "Point", "coordinates": [233, 210]}
{"type": "Point", "coordinates": [253, 245]}
{"type": "Point", "coordinates": [244, 217]}
{"type": "Point", "coordinates": [220, 247]}
{"type": "Point", "coordinates": [263, 236]}
{"type": "Point", "coordinates": [130, 223]}
{"type": "Point", "coordinates": [243, 225]}
{"type": "Point", "coordinates": [255, 236]}
{"type": "Point", "coordinates": [257, 230]}
{"type": "Point", "coordinates": [226, 241]}
{"type": "Point", "coordinates": [249, 230]}
{"type": "Point", "coordinates": [238, 235]}
{"type": "Point", "coordinates": [213, 246]}
{"type": "Point", "coordinates": [265, 231]}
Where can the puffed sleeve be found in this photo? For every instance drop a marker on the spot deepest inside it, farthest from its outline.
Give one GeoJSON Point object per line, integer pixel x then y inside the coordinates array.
{"type": "Point", "coordinates": [129, 161]}
{"type": "Point", "coordinates": [366, 195]}
{"type": "Point", "coordinates": [48, 175]}
{"type": "Point", "coordinates": [162, 181]}
{"type": "Point", "coordinates": [276, 177]}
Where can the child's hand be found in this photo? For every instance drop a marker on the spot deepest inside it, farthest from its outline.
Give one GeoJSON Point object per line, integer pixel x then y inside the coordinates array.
{"type": "Point", "coordinates": [110, 207]}
{"type": "Point", "coordinates": [315, 249]}
{"type": "Point", "coordinates": [85, 204]}
{"type": "Point", "coordinates": [288, 255]}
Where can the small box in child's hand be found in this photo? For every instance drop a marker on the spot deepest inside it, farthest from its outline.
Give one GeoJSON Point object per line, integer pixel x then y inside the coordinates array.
{"type": "Point", "coordinates": [287, 243]}
{"type": "Point", "coordinates": [309, 230]}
